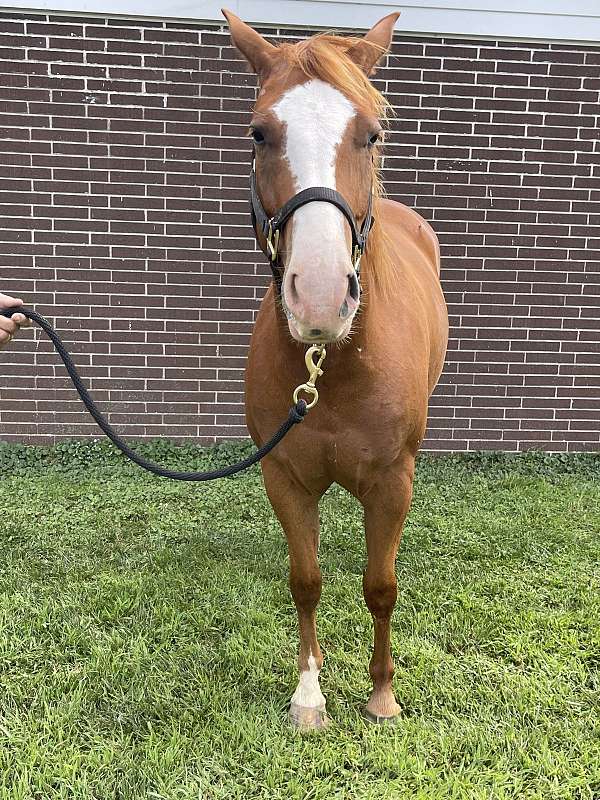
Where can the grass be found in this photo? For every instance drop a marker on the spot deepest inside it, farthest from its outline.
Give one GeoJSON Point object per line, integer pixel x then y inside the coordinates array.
{"type": "Point", "coordinates": [148, 640]}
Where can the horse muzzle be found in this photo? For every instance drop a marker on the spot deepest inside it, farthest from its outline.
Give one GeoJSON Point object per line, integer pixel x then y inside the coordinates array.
{"type": "Point", "coordinates": [320, 306]}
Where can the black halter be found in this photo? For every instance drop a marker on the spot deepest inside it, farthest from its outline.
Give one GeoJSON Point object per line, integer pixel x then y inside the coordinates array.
{"type": "Point", "coordinates": [271, 227]}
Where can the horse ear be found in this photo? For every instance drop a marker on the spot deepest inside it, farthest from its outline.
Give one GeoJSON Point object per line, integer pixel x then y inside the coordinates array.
{"type": "Point", "coordinates": [256, 50]}
{"type": "Point", "coordinates": [375, 44]}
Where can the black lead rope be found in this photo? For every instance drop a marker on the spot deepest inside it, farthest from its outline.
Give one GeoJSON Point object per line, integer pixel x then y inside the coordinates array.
{"type": "Point", "coordinates": [296, 415]}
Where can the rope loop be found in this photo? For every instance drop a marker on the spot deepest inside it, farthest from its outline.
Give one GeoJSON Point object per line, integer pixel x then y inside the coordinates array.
{"type": "Point", "coordinates": [298, 412]}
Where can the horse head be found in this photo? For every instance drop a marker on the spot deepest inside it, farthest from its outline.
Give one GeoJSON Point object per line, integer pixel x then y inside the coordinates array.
{"type": "Point", "coordinates": [316, 123]}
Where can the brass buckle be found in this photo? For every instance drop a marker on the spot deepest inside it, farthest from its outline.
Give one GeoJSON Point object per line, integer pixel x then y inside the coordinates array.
{"type": "Point", "coordinates": [272, 242]}
{"type": "Point", "coordinates": [356, 255]}
{"type": "Point", "coordinates": [314, 371]}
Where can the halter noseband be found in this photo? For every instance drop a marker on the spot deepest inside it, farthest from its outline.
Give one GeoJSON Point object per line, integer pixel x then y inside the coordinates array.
{"type": "Point", "coordinates": [271, 227]}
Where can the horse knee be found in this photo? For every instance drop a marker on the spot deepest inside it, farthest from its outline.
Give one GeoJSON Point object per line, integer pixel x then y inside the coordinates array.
{"type": "Point", "coordinates": [380, 594]}
{"type": "Point", "coordinates": [305, 585]}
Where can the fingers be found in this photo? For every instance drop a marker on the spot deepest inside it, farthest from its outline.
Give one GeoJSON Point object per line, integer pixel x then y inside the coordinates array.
{"type": "Point", "coordinates": [8, 328]}
{"type": "Point", "coordinates": [11, 302]}
{"type": "Point", "coordinates": [21, 320]}
{"type": "Point", "coordinates": [8, 302]}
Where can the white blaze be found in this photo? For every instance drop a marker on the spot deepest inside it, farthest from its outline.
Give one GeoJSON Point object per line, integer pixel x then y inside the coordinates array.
{"type": "Point", "coordinates": [308, 692]}
{"type": "Point", "coordinates": [316, 117]}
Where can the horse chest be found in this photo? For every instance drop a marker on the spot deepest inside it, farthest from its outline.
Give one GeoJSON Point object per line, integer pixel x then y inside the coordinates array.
{"type": "Point", "coordinates": [350, 448]}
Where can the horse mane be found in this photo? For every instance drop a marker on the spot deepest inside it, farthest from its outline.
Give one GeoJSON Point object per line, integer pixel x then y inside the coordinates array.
{"type": "Point", "coordinates": [325, 56]}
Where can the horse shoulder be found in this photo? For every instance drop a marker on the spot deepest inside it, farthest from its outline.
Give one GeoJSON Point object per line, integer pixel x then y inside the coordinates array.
{"type": "Point", "coordinates": [405, 222]}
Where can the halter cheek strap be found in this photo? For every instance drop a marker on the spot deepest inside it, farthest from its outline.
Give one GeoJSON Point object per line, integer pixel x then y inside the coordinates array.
{"type": "Point", "coordinates": [271, 227]}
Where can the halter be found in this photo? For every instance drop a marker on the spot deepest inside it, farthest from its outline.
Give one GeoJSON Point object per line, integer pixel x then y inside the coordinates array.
{"type": "Point", "coordinates": [271, 227]}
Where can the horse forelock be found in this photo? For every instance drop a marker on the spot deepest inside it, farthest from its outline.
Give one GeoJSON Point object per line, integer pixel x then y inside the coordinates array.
{"type": "Point", "coordinates": [326, 57]}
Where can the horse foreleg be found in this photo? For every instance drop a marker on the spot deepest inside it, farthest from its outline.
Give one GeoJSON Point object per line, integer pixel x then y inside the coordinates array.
{"type": "Point", "coordinates": [386, 507]}
{"type": "Point", "coordinates": [298, 513]}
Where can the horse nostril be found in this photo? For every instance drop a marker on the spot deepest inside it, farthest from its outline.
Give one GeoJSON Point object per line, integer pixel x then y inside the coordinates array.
{"type": "Point", "coordinates": [315, 331]}
{"type": "Point", "coordinates": [353, 286]}
{"type": "Point", "coordinates": [292, 288]}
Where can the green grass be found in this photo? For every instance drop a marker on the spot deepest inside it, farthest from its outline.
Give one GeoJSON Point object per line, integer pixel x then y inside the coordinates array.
{"type": "Point", "coordinates": [148, 640]}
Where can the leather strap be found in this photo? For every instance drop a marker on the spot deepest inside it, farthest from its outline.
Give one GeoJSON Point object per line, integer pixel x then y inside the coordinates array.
{"type": "Point", "coordinates": [272, 226]}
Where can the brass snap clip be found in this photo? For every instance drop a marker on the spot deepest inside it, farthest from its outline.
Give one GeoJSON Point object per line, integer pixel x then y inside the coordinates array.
{"type": "Point", "coordinates": [314, 371]}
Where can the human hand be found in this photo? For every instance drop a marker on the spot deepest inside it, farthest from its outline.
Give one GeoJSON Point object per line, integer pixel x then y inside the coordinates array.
{"type": "Point", "coordinates": [8, 327]}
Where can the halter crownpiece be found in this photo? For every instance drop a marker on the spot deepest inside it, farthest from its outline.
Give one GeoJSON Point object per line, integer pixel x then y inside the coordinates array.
{"type": "Point", "coordinates": [271, 227]}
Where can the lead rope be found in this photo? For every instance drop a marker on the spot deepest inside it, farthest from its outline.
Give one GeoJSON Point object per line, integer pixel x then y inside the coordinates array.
{"type": "Point", "coordinates": [296, 413]}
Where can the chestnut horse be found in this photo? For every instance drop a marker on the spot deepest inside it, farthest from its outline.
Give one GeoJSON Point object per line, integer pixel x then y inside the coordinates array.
{"type": "Point", "coordinates": [317, 123]}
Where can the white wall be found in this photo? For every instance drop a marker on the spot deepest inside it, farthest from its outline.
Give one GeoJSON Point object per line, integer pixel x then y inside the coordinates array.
{"type": "Point", "coordinates": [575, 21]}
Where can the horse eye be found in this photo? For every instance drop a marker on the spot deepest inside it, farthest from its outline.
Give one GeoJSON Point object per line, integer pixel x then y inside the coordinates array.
{"type": "Point", "coordinates": [374, 138]}
{"type": "Point", "coordinates": [257, 135]}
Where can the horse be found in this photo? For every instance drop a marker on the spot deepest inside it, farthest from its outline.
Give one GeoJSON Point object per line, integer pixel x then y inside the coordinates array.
{"type": "Point", "coordinates": [317, 122]}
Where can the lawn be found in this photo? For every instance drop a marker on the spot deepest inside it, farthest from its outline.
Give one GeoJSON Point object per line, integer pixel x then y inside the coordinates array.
{"type": "Point", "coordinates": [148, 640]}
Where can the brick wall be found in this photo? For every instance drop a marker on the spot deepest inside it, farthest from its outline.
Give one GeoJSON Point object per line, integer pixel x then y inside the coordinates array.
{"type": "Point", "coordinates": [123, 202]}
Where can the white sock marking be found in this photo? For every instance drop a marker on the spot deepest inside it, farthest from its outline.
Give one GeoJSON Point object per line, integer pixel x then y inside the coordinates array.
{"type": "Point", "coordinates": [308, 692]}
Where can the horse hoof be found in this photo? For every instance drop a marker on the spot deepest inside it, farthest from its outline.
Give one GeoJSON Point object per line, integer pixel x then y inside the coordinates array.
{"type": "Point", "coordinates": [378, 719]}
{"type": "Point", "coordinates": [308, 719]}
